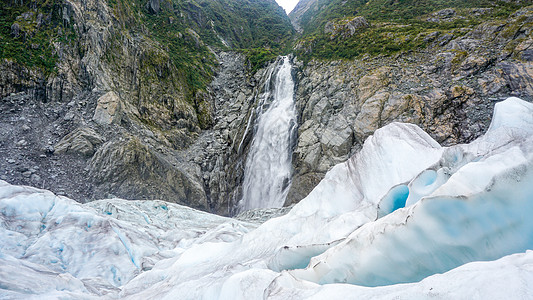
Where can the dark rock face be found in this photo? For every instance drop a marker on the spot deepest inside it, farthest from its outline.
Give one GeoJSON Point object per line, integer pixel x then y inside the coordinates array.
{"type": "Point", "coordinates": [15, 30]}
{"type": "Point", "coordinates": [153, 6]}
{"type": "Point", "coordinates": [129, 168]}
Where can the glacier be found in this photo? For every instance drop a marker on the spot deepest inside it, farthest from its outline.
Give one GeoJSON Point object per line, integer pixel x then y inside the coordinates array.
{"type": "Point", "coordinates": [402, 218]}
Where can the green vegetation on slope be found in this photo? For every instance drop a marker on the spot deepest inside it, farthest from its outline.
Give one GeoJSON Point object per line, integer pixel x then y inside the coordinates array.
{"type": "Point", "coordinates": [185, 29]}
{"type": "Point", "coordinates": [243, 24]}
{"type": "Point", "coordinates": [28, 31]}
{"type": "Point", "coordinates": [257, 57]}
{"type": "Point", "coordinates": [178, 37]}
{"type": "Point", "coordinates": [396, 25]}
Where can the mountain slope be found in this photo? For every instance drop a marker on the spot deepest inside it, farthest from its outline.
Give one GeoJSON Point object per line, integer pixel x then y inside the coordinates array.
{"type": "Point", "coordinates": [445, 79]}
{"type": "Point", "coordinates": [328, 29]}
{"type": "Point", "coordinates": [112, 92]}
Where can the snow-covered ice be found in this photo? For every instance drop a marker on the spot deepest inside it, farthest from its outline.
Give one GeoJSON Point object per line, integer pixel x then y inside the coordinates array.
{"type": "Point", "coordinates": [403, 218]}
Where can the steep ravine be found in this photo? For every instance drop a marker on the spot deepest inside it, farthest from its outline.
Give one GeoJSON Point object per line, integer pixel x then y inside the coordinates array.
{"type": "Point", "coordinates": [117, 118]}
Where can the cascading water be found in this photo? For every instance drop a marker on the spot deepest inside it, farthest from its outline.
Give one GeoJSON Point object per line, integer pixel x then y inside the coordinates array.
{"type": "Point", "coordinates": [267, 171]}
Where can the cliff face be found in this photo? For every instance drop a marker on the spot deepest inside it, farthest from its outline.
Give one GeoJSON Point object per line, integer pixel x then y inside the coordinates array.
{"type": "Point", "coordinates": [449, 89]}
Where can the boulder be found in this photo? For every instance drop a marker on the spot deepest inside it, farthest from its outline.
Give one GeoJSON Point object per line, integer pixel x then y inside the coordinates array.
{"type": "Point", "coordinates": [130, 169]}
{"type": "Point", "coordinates": [15, 30]}
{"type": "Point", "coordinates": [82, 141]}
{"type": "Point", "coordinates": [346, 28]}
{"type": "Point", "coordinates": [153, 6]}
{"type": "Point", "coordinates": [108, 110]}
{"type": "Point", "coordinates": [354, 24]}
{"type": "Point", "coordinates": [445, 13]}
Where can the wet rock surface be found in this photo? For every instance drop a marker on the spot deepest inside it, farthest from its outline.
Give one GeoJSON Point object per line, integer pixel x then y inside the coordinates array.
{"type": "Point", "coordinates": [221, 152]}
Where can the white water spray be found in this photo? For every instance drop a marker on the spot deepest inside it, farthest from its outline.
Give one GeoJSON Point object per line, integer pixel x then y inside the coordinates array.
{"type": "Point", "coordinates": [267, 171]}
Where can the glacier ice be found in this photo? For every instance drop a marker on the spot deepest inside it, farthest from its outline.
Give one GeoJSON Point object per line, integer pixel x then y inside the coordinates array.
{"type": "Point", "coordinates": [473, 207]}
{"type": "Point", "coordinates": [510, 277]}
{"type": "Point", "coordinates": [98, 246]}
{"type": "Point", "coordinates": [402, 218]}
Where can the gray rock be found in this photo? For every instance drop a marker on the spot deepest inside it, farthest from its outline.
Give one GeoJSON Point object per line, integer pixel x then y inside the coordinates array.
{"type": "Point", "coordinates": [195, 37]}
{"type": "Point", "coordinates": [48, 149]}
{"type": "Point", "coordinates": [356, 23]}
{"type": "Point", "coordinates": [260, 216]}
{"type": "Point", "coordinates": [35, 178]}
{"type": "Point", "coordinates": [130, 169]}
{"type": "Point", "coordinates": [108, 110]}
{"type": "Point", "coordinates": [527, 55]}
{"type": "Point", "coordinates": [39, 20]}
{"type": "Point", "coordinates": [15, 30]}
{"type": "Point", "coordinates": [153, 6]}
{"type": "Point", "coordinates": [346, 28]}
{"type": "Point", "coordinates": [481, 11]}
{"type": "Point", "coordinates": [432, 36]}
{"type": "Point", "coordinates": [68, 116]}
{"type": "Point", "coordinates": [301, 186]}
{"type": "Point", "coordinates": [82, 141]}
{"type": "Point", "coordinates": [369, 118]}
{"type": "Point", "coordinates": [445, 13]}
{"type": "Point", "coordinates": [21, 143]}
{"type": "Point", "coordinates": [329, 27]}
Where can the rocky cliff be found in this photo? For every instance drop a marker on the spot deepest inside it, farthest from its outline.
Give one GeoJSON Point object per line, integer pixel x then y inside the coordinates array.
{"type": "Point", "coordinates": [449, 88]}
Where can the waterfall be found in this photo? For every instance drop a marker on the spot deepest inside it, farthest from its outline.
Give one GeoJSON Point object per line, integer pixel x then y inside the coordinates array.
{"type": "Point", "coordinates": [267, 172]}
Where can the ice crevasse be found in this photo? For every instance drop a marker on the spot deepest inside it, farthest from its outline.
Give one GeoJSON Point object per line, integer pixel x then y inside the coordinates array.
{"type": "Point", "coordinates": [386, 223]}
